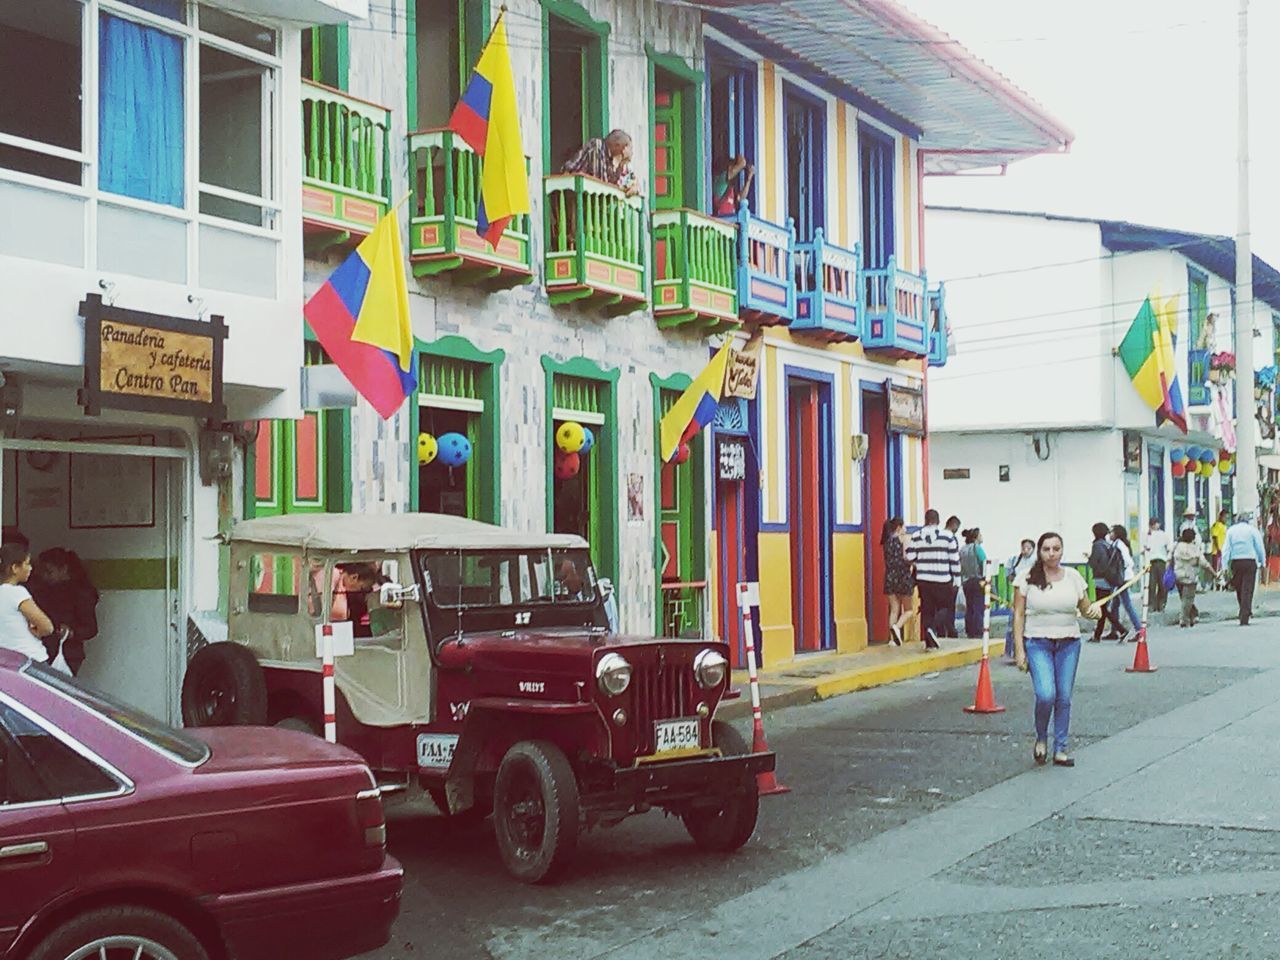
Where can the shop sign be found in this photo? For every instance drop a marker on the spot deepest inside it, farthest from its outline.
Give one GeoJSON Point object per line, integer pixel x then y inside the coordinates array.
{"type": "Point", "coordinates": [731, 455]}
{"type": "Point", "coordinates": [743, 370]}
{"type": "Point", "coordinates": [1132, 452]}
{"type": "Point", "coordinates": [150, 362]}
{"type": "Point", "coordinates": [906, 409]}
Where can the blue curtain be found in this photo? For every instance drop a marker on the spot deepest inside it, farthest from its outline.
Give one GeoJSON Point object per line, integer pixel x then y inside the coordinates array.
{"type": "Point", "coordinates": [140, 133]}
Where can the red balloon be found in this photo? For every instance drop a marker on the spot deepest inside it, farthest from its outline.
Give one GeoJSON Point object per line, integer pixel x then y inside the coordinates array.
{"type": "Point", "coordinates": [690, 431]}
{"type": "Point", "coordinates": [682, 454]}
{"type": "Point", "coordinates": [1178, 470]}
{"type": "Point", "coordinates": [567, 465]}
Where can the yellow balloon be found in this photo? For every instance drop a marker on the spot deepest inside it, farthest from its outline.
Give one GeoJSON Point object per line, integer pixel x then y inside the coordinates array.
{"type": "Point", "coordinates": [570, 437]}
{"type": "Point", "coordinates": [427, 448]}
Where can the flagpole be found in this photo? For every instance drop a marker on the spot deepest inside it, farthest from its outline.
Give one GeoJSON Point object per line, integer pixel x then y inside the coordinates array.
{"type": "Point", "coordinates": [1246, 424]}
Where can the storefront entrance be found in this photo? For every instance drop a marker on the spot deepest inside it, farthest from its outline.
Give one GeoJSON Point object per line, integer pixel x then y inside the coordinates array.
{"type": "Point", "coordinates": [810, 509]}
{"type": "Point", "coordinates": [117, 498]}
{"type": "Point", "coordinates": [882, 497]}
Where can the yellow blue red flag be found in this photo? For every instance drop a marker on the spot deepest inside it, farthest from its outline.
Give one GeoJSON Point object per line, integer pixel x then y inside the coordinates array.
{"type": "Point", "coordinates": [697, 405]}
{"type": "Point", "coordinates": [361, 318]}
{"type": "Point", "coordinates": [487, 119]}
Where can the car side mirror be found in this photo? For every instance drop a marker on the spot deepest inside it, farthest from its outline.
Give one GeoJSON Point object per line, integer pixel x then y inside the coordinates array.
{"type": "Point", "coordinates": [605, 586]}
{"type": "Point", "coordinates": [395, 594]}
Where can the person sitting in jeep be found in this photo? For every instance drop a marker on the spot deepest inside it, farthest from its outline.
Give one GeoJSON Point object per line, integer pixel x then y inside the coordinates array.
{"type": "Point", "coordinates": [353, 582]}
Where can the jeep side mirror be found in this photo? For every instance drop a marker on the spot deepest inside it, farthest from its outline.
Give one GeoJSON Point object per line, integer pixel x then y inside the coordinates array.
{"type": "Point", "coordinates": [606, 587]}
{"type": "Point", "coordinates": [395, 594]}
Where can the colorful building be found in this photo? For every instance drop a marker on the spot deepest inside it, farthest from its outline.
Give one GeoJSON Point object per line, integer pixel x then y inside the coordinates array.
{"type": "Point", "coordinates": [599, 306]}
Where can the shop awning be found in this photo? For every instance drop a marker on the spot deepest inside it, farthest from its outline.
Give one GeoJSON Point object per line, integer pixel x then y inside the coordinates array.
{"type": "Point", "coordinates": [899, 69]}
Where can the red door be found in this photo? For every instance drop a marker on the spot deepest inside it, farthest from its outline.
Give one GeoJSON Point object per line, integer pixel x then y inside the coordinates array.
{"type": "Point", "coordinates": [732, 568]}
{"type": "Point", "coordinates": [803, 491]}
{"type": "Point", "coordinates": [876, 484]}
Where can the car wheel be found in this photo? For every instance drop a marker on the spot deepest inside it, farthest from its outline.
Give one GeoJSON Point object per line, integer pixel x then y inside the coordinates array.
{"type": "Point", "coordinates": [535, 811]}
{"type": "Point", "coordinates": [470, 817]}
{"type": "Point", "coordinates": [727, 827]}
{"type": "Point", "coordinates": [224, 687]}
{"type": "Point", "coordinates": [134, 932]}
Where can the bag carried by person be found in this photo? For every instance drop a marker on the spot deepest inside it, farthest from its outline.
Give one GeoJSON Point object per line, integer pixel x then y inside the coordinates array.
{"type": "Point", "coordinates": [1170, 579]}
{"type": "Point", "coordinates": [1113, 567]}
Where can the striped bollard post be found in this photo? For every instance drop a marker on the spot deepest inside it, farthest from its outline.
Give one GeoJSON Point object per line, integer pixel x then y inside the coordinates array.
{"type": "Point", "coordinates": [766, 783]}
{"type": "Point", "coordinates": [330, 709]}
{"type": "Point", "coordinates": [984, 698]}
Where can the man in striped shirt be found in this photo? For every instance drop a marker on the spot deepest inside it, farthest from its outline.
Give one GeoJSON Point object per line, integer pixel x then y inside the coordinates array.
{"type": "Point", "coordinates": [936, 556]}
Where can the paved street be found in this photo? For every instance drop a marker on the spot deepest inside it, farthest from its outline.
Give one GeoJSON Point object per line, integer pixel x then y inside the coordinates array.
{"type": "Point", "coordinates": [916, 830]}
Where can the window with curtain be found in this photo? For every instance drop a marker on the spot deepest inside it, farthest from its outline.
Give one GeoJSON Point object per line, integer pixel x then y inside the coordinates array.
{"type": "Point", "coordinates": [141, 136]}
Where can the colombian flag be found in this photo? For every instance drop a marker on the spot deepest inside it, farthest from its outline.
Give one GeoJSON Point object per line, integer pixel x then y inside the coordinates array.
{"type": "Point", "coordinates": [1148, 357]}
{"type": "Point", "coordinates": [361, 318]}
{"type": "Point", "coordinates": [487, 119]}
{"type": "Point", "coordinates": [697, 405]}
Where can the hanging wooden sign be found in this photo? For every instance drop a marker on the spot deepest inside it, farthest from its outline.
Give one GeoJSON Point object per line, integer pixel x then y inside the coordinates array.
{"type": "Point", "coordinates": [906, 409]}
{"type": "Point", "coordinates": [151, 363]}
{"type": "Point", "coordinates": [743, 370]}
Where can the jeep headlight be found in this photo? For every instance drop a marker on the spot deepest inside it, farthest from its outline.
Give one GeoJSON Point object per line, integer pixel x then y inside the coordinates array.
{"type": "Point", "coordinates": [613, 674]}
{"type": "Point", "coordinates": [710, 668]}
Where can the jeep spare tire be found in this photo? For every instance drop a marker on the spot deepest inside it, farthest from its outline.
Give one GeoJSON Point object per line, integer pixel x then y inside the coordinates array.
{"type": "Point", "coordinates": [224, 687]}
{"type": "Point", "coordinates": [535, 811]}
{"type": "Point", "coordinates": [730, 825]}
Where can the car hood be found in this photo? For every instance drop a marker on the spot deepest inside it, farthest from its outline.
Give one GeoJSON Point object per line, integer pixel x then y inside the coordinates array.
{"type": "Point", "coordinates": [548, 651]}
{"type": "Point", "coordinates": [259, 748]}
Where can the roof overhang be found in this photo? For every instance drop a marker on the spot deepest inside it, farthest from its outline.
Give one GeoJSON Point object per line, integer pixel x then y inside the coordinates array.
{"type": "Point", "coordinates": [902, 71]}
{"type": "Point", "coordinates": [305, 13]}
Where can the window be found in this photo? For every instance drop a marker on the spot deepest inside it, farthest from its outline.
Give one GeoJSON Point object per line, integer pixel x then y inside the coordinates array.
{"type": "Point", "coordinates": [875, 159]}
{"type": "Point", "coordinates": [354, 596]}
{"type": "Point", "coordinates": [806, 162]}
{"type": "Point", "coordinates": [1200, 336]}
{"type": "Point", "coordinates": [451, 399]}
{"type": "Point", "coordinates": [733, 123]}
{"type": "Point", "coordinates": [236, 165]}
{"type": "Point", "coordinates": [450, 36]}
{"type": "Point", "coordinates": [495, 578]}
{"type": "Point", "coordinates": [576, 88]}
{"type": "Point", "coordinates": [274, 582]}
{"type": "Point", "coordinates": [39, 766]}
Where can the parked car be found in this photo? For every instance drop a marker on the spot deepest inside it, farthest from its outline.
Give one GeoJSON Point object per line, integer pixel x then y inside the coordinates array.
{"type": "Point", "coordinates": [479, 667]}
{"type": "Point", "coordinates": [121, 837]}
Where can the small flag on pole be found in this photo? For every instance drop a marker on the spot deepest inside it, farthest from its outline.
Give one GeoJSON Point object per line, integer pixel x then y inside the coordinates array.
{"type": "Point", "coordinates": [487, 119]}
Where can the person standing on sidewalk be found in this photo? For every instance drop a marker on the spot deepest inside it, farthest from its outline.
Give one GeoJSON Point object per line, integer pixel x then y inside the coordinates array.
{"type": "Point", "coordinates": [936, 557]}
{"type": "Point", "coordinates": [973, 565]}
{"type": "Point", "coordinates": [1217, 539]}
{"type": "Point", "coordinates": [1120, 540]}
{"type": "Point", "coordinates": [1108, 572]}
{"type": "Point", "coordinates": [1047, 600]}
{"type": "Point", "coordinates": [897, 577]}
{"type": "Point", "coordinates": [1188, 561]}
{"type": "Point", "coordinates": [1155, 552]}
{"type": "Point", "coordinates": [1017, 564]}
{"type": "Point", "coordinates": [1242, 554]}
{"type": "Point", "coordinates": [953, 528]}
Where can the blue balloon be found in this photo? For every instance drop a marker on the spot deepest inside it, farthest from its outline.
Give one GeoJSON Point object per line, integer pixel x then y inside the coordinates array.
{"type": "Point", "coordinates": [588, 441]}
{"type": "Point", "coordinates": [455, 449]}
{"type": "Point", "coordinates": [1177, 455]}
{"type": "Point", "coordinates": [1194, 453]}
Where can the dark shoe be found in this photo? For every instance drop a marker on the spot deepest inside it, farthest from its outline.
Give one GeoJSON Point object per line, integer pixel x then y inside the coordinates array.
{"type": "Point", "coordinates": [1122, 637]}
{"type": "Point", "coordinates": [1112, 636]}
{"type": "Point", "coordinates": [931, 640]}
{"type": "Point", "coordinates": [1040, 752]}
{"type": "Point", "coordinates": [1062, 760]}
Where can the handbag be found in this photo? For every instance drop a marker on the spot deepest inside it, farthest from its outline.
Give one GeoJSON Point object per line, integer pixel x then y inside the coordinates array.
{"type": "Point", "coordinates": [1170, 579]}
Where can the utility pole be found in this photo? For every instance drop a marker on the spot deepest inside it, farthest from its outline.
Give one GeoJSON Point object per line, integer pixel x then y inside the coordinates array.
{"type": "Point", "coordinates": [1246, 424]}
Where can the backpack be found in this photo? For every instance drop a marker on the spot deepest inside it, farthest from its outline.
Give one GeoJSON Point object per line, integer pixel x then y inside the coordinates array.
{"type": "Point", "coordinates": [1113, 569]}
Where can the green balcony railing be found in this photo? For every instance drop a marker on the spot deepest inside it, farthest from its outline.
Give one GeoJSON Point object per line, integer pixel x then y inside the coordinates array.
{"type": "Point", "coordinates": [695, 272]}
{"type": "Point", "coordinates": [346, 183]}
{"type": "Point", "coordinates": [444, 175]}
{"type": "Point", "coordinates": [596, 241]}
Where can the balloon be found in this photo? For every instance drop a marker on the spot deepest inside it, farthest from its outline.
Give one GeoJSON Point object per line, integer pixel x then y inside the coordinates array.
{"type": "Point", "coordinates": [1224, 467]}
{"type": "Point", "coordinates": [588, 441]}
{"type": "Point", "coordinates": [690, 431]}
{"type": "Point", "coordinates": [682, 454]}
{"type": "Point", "coordinates": [570, 436]}
{"type": "Point", "coordinates": [567, 466]}
{"type": "Point", "coordinates": [455, 449]}
{"type": "Point", "coordinates": [1177, 455]}
{"type": "Point", "coordinates": [1178, 470]}
{"type": "Point", "coordinates": [1197, 453]}
{"type": "Point", "coordinates": [1206, 469]}
{"type": "Point", "coordinates": [1224, 454]}
{"type": "Point", "coordinates": [427, 448]}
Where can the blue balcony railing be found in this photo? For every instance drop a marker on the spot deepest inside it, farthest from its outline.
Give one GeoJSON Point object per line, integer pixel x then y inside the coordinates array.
{"type": "Point", "coordinates": [766, 281]}
{"type": "Point", "coordinates": [895, 306]}
{"type": "Point", "coordinates": [827, 303]}
{"type": "Point", "coordinates": [938, 339]}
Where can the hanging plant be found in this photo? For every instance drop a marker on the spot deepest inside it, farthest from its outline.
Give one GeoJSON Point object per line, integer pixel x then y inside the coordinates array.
{"type": "Point", "coordinates": [1225, 362]}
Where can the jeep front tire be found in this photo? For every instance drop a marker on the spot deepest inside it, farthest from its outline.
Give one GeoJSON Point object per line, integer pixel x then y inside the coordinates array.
{"type": "Point", "coordinates": [535, 811]}
{"type": "Point", "coordinates": [727, 827]}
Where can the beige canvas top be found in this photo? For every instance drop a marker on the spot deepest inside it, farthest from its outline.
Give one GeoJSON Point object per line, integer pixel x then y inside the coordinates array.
{"type": "Point", "coordinates": [393, 531]}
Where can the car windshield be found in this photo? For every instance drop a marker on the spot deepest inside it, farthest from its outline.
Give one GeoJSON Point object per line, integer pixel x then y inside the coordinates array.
{"type": "Point", "coordinates": [502, 578]}
{"type": "Point", "coordinates": [155, 734]}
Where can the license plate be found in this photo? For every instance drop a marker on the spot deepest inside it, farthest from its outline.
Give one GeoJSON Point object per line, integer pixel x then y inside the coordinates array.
{"type": "Point", "coordinates": [672, 735]}
{"type": "Point", "coordinates": [436, 749]}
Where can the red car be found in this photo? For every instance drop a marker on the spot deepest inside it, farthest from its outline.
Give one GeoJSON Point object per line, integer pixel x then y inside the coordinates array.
{"type": "Point", "coordinates": [121, 837]}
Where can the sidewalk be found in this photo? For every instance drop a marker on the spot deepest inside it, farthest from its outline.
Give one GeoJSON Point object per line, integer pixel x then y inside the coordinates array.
{"type": "Point", "coordinates": [821, 676]}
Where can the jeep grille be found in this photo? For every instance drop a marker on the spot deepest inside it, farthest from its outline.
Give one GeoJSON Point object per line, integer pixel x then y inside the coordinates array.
{"type": "Point", "coordinates": [661, 692]}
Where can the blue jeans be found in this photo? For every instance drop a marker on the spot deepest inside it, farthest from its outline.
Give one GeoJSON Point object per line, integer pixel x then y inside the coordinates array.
{"type": "Point", "coordinates": [1127, 601]}
{"type": "Point", "coordinates": [1052, 664]}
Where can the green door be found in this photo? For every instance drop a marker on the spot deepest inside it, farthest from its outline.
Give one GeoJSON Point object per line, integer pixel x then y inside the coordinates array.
{"type": "Point", "coordinates": [668, 151]}
{"type": "Point", "coordinates": [681, 535]}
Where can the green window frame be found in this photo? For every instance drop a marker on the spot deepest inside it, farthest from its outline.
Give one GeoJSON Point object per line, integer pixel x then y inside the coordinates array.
{"type": "Point", "coordinates": [595, 69]}
{"type": "Point", "coordinates": [687, 116]}
{"type": "Point", "coordinates": [473, 24]}
{"type": "Point", "coordinates": [689, 512]}
{"type": "Point", "coordinates": [452, 368]}
{"type": "Point", "coordinates": [1197, 359]}
{"type": "Point", "coordinates": [580, 383]}
{"type": "Point", "coordinates": [330, 56]}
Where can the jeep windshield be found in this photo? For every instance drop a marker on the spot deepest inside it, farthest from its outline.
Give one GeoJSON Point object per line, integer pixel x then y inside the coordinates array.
{"type": "Point", "coordinates": [509, 578]}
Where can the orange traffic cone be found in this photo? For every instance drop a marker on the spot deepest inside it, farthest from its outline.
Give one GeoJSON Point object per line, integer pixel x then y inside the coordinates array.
{"type": "Point", "coordinates": [1141, 662]}
{"type": "Point", "coordinates": [984, 700]}
{"type": "Point", "coordinates": [766, 783]}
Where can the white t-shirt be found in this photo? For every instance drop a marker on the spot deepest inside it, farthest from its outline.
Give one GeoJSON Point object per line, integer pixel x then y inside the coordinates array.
{"type": "Point", "coordinates": [1052, 610]}
{"type": "Point", "coordinates": [14, 632]}
{"type": "Point", "coordinates": [1158, 545]}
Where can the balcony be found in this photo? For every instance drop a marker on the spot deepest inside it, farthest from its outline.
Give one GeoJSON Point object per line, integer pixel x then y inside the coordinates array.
{"type": "Point", "coordinates": [1198, 394]}
{"type": "Point", "coordinates": [938, 332]}
{"type": "Point", "coordinates": [694, 271]}
{"type": "Point", "coordinates": [766, 284]}
{"type": "Point", "coordinates": [827, 291]}
{"type": "Point", "coordinates": [894, 305]}
{"type": "Point", "coordinates": [346, 183]}
{"type": "Point", "coordinates": [445, 177]}
{"type": "Point", "coordinates": [595, 244]}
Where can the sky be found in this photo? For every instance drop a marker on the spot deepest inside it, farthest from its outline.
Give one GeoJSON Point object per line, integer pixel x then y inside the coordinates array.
{"type": "Point", "coordinates": [1149, 88]}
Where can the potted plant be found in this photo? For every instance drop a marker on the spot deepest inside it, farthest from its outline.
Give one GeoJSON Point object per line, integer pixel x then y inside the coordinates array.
{"type": "Point", "coordinates": [1221, 365]}
{"type": "Point", "coordinates": [1264, 381]}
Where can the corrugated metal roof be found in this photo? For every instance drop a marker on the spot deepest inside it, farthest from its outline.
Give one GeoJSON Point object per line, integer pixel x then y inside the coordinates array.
{"type": "Point", "coordinates": [902, 70]}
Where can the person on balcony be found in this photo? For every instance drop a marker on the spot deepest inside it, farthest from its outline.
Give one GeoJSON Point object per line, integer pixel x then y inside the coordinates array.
{"type": "Point", "coordinates": [607, 159]}
{"type": "Point", "coordinates": [730, 186]}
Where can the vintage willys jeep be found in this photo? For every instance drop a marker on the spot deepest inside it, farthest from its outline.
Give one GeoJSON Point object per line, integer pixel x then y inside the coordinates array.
{"type": "Point", "coordinates": [481, 669]}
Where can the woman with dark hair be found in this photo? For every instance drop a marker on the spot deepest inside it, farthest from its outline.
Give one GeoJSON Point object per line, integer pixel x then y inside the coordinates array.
{"type": "Point", "coordinates": [1047, 600]}
{"type": "Point", "coordinates": [22, 621]}
{"type": "Point", "coordinates": [1108, 572]}
{"type": "Point", "coordinates": [1120, 540]}
{"type": "Point", "coordinates": [61, 586]}
{"type": "Point", "coordinates": [1188, 561]}
{"type": "Point", "coordinates": [973, 567]}
{"type": "Point", "coordinates": [898, 582]}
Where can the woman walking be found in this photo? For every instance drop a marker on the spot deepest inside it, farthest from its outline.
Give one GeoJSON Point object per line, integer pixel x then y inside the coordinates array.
{"type": "Point", "coordinates": [1046, 636]}
{"type": "Point", "coordinates": [22, 622]}
{"type": "Point", "coordinates": [1120, 540]}
{"type": "Point", "coordinates": [1188, 561]}
{"type": "Point", "coordinates": [973, 565]}
{"type": "Point", "coordinates": [1108, 572]}
{"type": "Point", "coordinates": [898, 582]}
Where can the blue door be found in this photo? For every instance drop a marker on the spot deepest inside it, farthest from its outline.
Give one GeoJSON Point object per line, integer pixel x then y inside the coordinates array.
{"type": "Point", "coordinates": [1155, 485]}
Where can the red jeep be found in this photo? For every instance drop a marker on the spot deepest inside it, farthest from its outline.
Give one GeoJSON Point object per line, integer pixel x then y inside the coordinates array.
{"type": "Point", "coordinates": [477, 663]}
